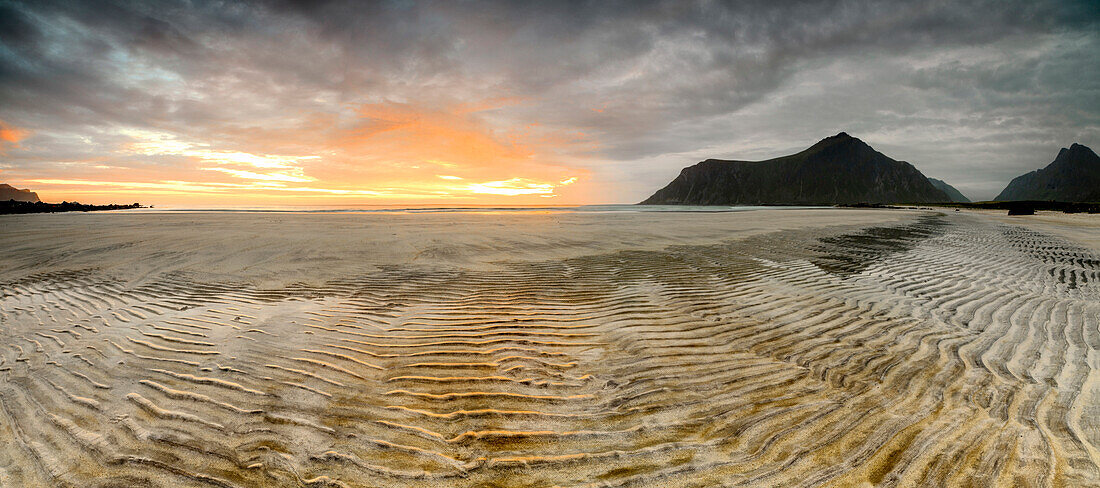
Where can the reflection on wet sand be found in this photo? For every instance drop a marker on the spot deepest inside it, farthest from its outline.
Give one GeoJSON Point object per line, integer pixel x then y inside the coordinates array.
{"type": "Point", "coordinates": [941, 350]}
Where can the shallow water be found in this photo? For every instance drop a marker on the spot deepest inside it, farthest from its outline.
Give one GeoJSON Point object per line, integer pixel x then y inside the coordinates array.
{"type": "Point", "coordinates": [938, 351]}
{"type": "Point", "coordinates": [471, 209]}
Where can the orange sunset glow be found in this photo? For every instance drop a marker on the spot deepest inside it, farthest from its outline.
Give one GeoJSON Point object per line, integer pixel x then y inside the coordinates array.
{"type": "Point", "coordinates": [283, 102]}
{"type": "Point", "coordinates": [10, 136]}
{"type": "Point", "coordinates": [384, 153]}
{"type": "Point", "coordinates": [516, 243]}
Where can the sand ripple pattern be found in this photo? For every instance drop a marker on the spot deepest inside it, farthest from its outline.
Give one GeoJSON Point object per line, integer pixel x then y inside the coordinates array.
{"type": "Point", "coordinates": [944, 352]}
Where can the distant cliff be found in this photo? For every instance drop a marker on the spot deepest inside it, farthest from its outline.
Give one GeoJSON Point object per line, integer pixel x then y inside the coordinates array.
{"type": "Point", "coordinates": [8, 192]}
{"type": "Point", "coordinates": [837, 170]}
{"type": "Point", "coordinates": [1073, 176]}
{"type": "Point", "coordinates": [952, 193]}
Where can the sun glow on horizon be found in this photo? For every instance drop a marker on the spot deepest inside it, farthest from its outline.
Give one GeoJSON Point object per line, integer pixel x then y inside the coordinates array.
{"type": "Point", "coordinates": [383, 152]}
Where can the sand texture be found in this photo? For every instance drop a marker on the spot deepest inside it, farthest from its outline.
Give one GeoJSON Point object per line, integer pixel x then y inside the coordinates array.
{"type": "Point", "coordinates": [1082, 229]}
{"type": "Point", "coordinates": [771, 348]}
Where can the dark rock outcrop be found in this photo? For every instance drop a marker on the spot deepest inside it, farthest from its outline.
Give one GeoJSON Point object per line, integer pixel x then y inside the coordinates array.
{"type": "Point", "coordinates": [954, 194]}
{"type": "Point", "coordinates": [837, 170]}
{"type": "Point", "coordinates": [1073, 176]}
{"type": "Point", "coordinates": [8, 192]}
{"type": "Point", "coordinates": [14, 207]}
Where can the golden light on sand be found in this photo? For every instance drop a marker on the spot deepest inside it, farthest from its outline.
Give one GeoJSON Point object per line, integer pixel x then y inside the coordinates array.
{"type": "Point", "coordinates": [435, 244]}
{"type": "Point", "coordinates": [439, 349]}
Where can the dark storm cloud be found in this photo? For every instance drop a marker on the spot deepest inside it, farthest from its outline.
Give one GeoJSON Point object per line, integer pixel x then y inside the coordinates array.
{"type": "Point", "coordinates": [972, 92]}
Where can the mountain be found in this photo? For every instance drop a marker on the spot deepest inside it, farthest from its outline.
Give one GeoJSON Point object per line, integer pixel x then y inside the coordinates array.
{"type": "Point", "coordinates": [837, 170]}
{"type": "Point", "coordinates": [954, 194]}
{"type": "Point", "coordinates": [1073, 176]}
{"type": "Point", "coordinates": [8, 192]}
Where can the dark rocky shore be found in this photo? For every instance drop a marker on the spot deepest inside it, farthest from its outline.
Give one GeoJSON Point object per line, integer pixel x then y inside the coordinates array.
{"type": "Point", "coordinates": [18, 207]}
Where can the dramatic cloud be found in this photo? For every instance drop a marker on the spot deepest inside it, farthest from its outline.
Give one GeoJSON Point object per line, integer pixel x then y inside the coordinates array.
{"type": "Point", "coordinates": [10, 136]}
{"type": "Point", "coordinates": [512, 102]}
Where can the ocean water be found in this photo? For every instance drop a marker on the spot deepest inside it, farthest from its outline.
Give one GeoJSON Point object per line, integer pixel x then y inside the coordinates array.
{"type": "Point", "coordinates": [469, 209]}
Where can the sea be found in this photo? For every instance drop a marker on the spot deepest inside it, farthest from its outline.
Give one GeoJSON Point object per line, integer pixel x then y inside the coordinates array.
{"type": "Point", "coordinates": [612, 208]}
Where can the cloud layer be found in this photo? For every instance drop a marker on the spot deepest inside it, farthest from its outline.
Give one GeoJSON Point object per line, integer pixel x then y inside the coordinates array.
{"type": "Point", "coordinates": [541, 102]}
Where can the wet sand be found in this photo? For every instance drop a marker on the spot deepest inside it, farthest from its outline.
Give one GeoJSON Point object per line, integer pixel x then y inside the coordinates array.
{"type": "Point", "coordinates": [1082, 229]}
{"type": "Point", "coordinates": [767, 348]}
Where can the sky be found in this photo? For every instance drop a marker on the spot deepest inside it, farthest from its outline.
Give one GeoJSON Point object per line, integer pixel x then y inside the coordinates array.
{"type": "Point", "coordinates": [522, 103]}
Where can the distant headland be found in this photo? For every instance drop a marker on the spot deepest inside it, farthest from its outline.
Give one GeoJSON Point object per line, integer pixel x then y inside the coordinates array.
{"type": "Point", "coordinates": [837, 170]}
{"type": "Point", "coordinates": [1073, 176]}
{"type": "Point", "coordinates": [16, 201]}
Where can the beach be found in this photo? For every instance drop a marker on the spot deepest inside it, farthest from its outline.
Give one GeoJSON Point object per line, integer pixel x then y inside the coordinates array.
{"type": "Point", "coordinates": [778, 347]}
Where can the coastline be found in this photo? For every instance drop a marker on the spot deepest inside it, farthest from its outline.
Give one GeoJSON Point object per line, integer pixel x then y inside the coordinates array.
{"type": "Point", "coordinates": [17, 207]}
{"type": "Point", "coordinates": [289, 247]}
{"type": "Point", "coordinates": [844, 346]}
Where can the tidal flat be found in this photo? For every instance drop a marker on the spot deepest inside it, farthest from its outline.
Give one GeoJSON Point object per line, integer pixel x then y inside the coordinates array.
{"type": "Point", "coordinates": [786, 347]}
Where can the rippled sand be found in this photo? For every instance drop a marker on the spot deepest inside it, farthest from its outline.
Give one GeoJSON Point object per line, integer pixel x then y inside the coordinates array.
{"type": "Point", "coordinates": [845, 348]}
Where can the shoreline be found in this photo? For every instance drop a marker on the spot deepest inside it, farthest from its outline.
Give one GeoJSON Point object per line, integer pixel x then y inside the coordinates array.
{"type": "Point", "coordinates": [1080, 228]}
{"type": "Point", "coordinates": [16, 207]}
{"type": "Point", "coordinates": [657, 349]}
{"type": "Point", "coordinates": [312, 247]}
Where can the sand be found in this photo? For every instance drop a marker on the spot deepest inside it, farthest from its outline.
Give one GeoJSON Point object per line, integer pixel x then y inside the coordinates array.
{"type": "Point", "coordinates": [276, 249]}
{"type": "Point", "coordinates": [1081, 228]}
{"type": "Point", "coordinates": [765, 348]}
